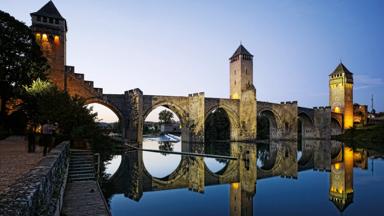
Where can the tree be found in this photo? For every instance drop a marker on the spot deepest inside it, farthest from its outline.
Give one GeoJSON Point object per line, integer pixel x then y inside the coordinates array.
{"type": "Point", "coordinates": [165, 117]}
{"type": "Point", "coordinates": [44, 101]}
{"type": "Point", "coordinates": [21, 60]}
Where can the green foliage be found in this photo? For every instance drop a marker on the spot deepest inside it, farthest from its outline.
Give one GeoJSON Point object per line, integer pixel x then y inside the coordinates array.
{"type": "Point", "coordinates": [38, 87]}
{"type": "Point", "coordinates": [217, 126]}
{"type": "Point", "coordinates": [44, 101]}
{"type": "Point", "coordinates": [21, 60]}
{"type": "Point", "coordinates": [370, 134]}
{"type": "Point", "coordinates": [165, 116]}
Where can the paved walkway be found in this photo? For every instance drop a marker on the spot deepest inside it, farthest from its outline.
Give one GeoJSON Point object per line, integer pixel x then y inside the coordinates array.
{"type": "Point", "coordinates": [82, 194]}
{"type": "Point", "coordinates": [83, 198]}
{"type": "Point", "coordinates": [15, 160]}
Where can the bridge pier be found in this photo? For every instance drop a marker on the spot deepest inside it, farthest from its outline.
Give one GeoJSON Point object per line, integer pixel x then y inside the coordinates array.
{"type": "Point", "coordinates": [134, 121]}
{"type": "Point", "coordinates": [322, 122]}
{"type": "Point", "coordinates": [247, 116]}
{"type": "Point", "coordinates": [196, 119]}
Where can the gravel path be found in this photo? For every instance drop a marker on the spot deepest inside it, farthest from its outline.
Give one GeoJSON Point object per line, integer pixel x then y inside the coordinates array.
{"type": "Point", "coordinates": [15, 160]}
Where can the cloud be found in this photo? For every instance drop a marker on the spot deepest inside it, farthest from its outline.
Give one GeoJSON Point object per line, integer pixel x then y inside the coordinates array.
{"type": "Point", "coordinates": [363, 81]}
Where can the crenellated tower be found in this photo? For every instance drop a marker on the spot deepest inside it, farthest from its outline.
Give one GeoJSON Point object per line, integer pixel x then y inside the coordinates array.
{"type": "Point", "coordinates": [242, 89]}
{"type": "Point", "coordinates": [241, 72]}
{"type": "Point", "coordinates": [341, 94]}
{"type": "Point", "coordinates": [50, 30]}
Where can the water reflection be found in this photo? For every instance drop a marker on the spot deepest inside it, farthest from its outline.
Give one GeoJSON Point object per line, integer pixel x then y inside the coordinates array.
{"type": "Point", "coordinates": [141, 172]}
{"type": "Point", "coordinates": [161, 164]}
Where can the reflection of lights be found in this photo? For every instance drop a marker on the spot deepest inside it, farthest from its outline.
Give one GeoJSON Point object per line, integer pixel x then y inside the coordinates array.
{"type": "Point", "coordinates": [337, 166]}
{"type": "Point", "coordinates": [45, 37]}
{"type": "Point", "coordinates": [38, 36]}
{"type": "Point", "coordinates": [337, 109]}
{"type": "Point", "coordinates": [235, 185]}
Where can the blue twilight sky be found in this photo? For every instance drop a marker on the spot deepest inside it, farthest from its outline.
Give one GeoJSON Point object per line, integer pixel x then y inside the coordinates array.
{"type": "Point", "coordinates": [180, 47]}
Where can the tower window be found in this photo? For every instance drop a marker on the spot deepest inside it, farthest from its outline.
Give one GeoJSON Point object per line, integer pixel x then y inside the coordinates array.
{"type": "Point", "coordinates": [45, 37]}
{"type": "Point", "coordinates": [246, 71]}
{"type": "Point", "coordinates": [39, 18]}
{"type": "Point", "coordinates": [44, 19]}
{"type": "Point", "coordinates": [56, 21]}
{"type": "Point", "coordinates": [50, 20]}
{"type": "Point", "coordinates": [56, 39]}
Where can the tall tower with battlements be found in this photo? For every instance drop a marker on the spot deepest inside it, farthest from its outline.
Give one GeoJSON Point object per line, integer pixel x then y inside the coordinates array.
{"type": "Point", "coordinates": [50, 30]}
{"type": "Point", "coordinates": [341, 93]}
{"type": "Point", "coordinates": [241, 72]}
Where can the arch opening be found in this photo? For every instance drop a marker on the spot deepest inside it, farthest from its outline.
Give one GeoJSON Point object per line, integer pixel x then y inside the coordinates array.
{"type": "Point", "coordinates": [107, 118]}
{"type": "Point", "coordinates": [305, 127]}
{"type": "Point", "coordinates": [266, 125]}
{"type": "Point", "coordinates": [266, 156]}
{"type": "Point", "coordinates": [161, 131]}
{"type": "Point", "coordinates": [216, 165]}
{"type": "Point", "coordinates": [217, 126]}
{"type": "Point", "coordinates": [335, 127]}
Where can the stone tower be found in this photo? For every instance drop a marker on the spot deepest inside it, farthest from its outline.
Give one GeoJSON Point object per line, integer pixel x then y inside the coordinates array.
{"type": "Point", "coordinates": [241, 72]}
{"type": "Point", "coordinates": [50, 29]}
{"type": "Point", "coordinates": [341, 94]}
{"type": "Point", "coordinates": [241, 88]}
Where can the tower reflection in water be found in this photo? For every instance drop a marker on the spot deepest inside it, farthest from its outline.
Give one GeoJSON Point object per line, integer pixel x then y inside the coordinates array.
{"type": "Point", "coordinates": [341, 177]}
{"type": "Point", "coordinates": [251, 162]}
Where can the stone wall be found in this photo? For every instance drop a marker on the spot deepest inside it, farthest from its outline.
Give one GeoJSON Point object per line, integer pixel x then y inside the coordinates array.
{"type": "Point", "coordinates": [39, 192]}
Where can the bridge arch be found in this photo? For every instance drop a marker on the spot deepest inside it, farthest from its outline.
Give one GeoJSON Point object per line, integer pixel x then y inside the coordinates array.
{"type": "Point", "coordinates": [234, 124]}
{"type": "Point", "coordinates": [305, 127]}
{"type": "Point", "coordinates": [336, 127]}
{"type": "Point", "coordinates": [110, 106]}
{"type": "Point", "coordinates": [178, 110]}
{"type": "Point", "coordinates": [268, 123]}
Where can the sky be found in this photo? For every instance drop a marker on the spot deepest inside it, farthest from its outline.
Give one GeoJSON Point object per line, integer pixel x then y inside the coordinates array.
{"type": "Point", "coordinates": [174, 47]}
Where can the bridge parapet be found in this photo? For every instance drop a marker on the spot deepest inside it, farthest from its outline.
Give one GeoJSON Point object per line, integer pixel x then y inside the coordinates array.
{"type": "Point", "coordinates": [282, 118]}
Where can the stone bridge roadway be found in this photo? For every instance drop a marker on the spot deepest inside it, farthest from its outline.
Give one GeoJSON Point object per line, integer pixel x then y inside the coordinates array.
{"type": "Point", "coordinates": [285, 118]}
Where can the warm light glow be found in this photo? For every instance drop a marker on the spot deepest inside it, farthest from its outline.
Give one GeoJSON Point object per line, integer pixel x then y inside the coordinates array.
{"type": "Point", "coordinates": [235, 96]}
{"type": "Point", "coordinates": [56, 40]}
{"type": "Point", "coordinates": [235, 185]}
{"type": "Point", "coordinates": [348, 155]}
{"type": "Point", "coordinates": [348, 121]}
{"type": "Point", "coordinates": [337, 110]}
{"type": "Point", "coordinates": [45, 37]}
{"type": "Point", "coordinates": [337, 166]}
{"type": "Point", "coordinates": [38, 36]}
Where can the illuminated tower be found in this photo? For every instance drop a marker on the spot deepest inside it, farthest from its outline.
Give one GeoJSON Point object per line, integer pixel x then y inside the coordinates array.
{"type": "Point", "coordinates": [341, 179]}
{"type": "Point", "coordinates": [50, 30]}
{"type": "Point", "coordinates": [241, 72]}
{"type": "Point", "coordinates": [341, 93]}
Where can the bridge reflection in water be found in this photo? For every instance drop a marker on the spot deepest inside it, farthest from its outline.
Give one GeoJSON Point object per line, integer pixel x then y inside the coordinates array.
{"type": "Point", "coordinates": [253, 162]}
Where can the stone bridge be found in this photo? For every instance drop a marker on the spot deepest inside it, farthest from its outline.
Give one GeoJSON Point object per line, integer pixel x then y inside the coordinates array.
{"type": "Point", "coordinates": [285, 119]}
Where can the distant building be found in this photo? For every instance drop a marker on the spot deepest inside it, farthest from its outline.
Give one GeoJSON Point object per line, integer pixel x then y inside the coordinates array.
{"type": "Point", "coordinates": [170, 128]}
{"type": "Point", "coordinates": [360, 114]}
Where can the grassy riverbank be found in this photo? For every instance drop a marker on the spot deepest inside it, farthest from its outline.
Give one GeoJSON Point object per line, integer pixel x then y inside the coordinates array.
{"type": "Point", "coordinates": [371, 137]}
